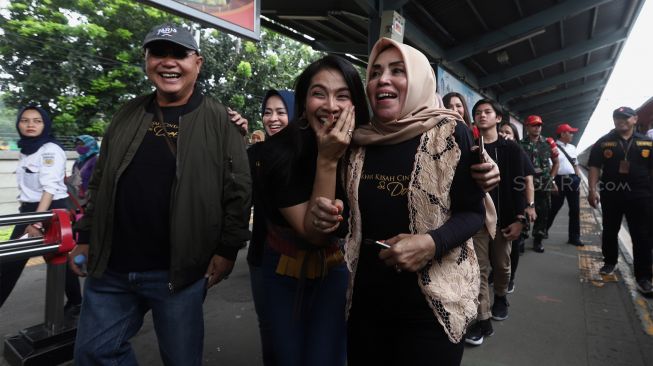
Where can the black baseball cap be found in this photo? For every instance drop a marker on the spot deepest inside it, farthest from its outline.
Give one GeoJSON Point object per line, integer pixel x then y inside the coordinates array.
{"type": "Point", "coordinates": [170, 32]}
{"type": "Point", "coordinates": [625, 112]}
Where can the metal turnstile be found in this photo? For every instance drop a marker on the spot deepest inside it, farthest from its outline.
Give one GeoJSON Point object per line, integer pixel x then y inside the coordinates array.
{"type": "Point", "coordinates": [51, 342]}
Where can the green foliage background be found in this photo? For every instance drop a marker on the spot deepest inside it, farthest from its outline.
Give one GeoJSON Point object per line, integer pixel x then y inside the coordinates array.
{"type": "Point", "coordinates": [81, 59]}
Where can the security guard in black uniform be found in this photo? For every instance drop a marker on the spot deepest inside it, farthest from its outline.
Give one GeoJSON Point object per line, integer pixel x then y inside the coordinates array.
{"type": "Point", "coordinates": [626, 188]}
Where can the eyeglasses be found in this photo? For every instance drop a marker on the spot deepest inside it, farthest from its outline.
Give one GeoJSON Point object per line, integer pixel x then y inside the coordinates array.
{"type": "Point", "coordinates": [163, 52]}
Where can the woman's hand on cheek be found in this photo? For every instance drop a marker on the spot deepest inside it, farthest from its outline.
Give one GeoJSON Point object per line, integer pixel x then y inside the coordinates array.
{"type": "Point", "coordinates": [334, 136]}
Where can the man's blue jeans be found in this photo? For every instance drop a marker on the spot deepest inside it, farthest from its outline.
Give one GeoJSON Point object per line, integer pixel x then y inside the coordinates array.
{"type": "Point", "coordinates": [112, 313]}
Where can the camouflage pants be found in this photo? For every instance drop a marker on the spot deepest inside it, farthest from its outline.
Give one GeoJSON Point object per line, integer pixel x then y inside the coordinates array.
{"type": "Point", "coordinates": [542, 208]}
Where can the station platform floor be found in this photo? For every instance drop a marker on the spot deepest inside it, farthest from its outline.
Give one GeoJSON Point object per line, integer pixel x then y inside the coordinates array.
{"type": "Point", "coordinates": [561, 313]}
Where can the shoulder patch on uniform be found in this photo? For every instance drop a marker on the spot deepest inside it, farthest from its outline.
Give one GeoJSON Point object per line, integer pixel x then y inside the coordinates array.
{"type": "Point", "coordinates": [47, 159]}
{"type": "Point", "coordinates": [644, 143]}
{"type": "Point", "coordinates": [609, 144]}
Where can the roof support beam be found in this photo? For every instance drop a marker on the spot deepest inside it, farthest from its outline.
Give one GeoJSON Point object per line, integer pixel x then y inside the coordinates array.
{"type": "Point", "coordinates": [368, 6]}
{"type": "Point", "coordinates": [568, 111]}
{"type": "Point", "coordinates": [321, 29]}
{"type": "Point", "coordinates": [354, 33]}
{"type": "Point", "coordinates": [394, 4]}
{"type": "Point", "coordinates": [555, 57]}
{"type": "Point", "coordinates": [440, 28]}
{"type": "Point", "coordinates": [556, 80]}
{"type": "Point", "coordinates": [358, 49]}
{"type": "Point", "coordinates": [569, 103]}
{"type": "Point", "coordinates": [435, 52]}
{"type": "Point", "coordinates": [572, 119]}
{"type": "Point", "coordinates": [524, 26]}
{"type": "Point", "coordinates": [565, 114]}
{"type": "Point", "coordinates": [552, 97]}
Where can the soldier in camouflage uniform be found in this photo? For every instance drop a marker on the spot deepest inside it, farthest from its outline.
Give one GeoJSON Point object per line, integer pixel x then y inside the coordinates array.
{"type": "Point", "coordinates": [545, 160]}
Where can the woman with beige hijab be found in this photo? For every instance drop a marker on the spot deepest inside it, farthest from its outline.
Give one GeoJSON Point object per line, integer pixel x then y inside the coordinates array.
{"type": "Point", "coordinates": [413, 208]}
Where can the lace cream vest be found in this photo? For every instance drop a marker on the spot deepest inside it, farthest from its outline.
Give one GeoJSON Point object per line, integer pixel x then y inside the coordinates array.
{"type": "Point", "coordinates": [451, 285]}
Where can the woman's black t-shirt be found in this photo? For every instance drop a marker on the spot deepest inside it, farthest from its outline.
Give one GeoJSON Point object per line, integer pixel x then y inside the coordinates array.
{"type": "Point", "coordinates": [380, 292]}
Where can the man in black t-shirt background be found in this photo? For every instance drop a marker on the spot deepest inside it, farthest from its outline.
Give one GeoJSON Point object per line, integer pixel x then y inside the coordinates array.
{"type": "Point", "coordinates": [509, 201]}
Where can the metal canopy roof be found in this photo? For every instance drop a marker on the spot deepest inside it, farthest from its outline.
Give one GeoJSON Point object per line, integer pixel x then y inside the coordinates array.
{"type": "Point", "coordinates": [546, 57]}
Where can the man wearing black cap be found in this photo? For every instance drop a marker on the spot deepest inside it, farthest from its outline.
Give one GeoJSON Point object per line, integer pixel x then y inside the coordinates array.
{"type": "Point", "coordinates": [623, 159]}
{"type": "Point", "coordinates": [168, 212]}
{"type": "Point", "coordinates": [545, 161]}
{"type": "Point", "coordinates": [568, 182]}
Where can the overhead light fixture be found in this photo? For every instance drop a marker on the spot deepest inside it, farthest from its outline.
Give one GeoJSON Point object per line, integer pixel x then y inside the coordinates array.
{"type": "Point", "coordinates": [516, 40]}
{"type": "Point", "coordinates": [503, 58]}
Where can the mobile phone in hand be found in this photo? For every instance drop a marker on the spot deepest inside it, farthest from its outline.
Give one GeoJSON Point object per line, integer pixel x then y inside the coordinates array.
{"type": "Point", "coordinates": [481, 149]}
{"type": "Point", "coordinates": [377, 243]}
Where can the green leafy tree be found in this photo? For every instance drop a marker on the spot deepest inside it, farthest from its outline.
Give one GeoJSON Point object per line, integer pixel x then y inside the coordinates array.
{"type": "Point", "coordinates": [82, 59]}
{"type": "Point", "coordinates": [79, 59]}
{"type": "Point", "coordinates": [7, 121]}
{"type": "Point", "coordinates": [239, 72]}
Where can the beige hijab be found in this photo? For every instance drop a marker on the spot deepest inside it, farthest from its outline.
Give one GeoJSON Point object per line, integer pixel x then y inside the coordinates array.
{"type": "Point", "coordinates": [421, 110]}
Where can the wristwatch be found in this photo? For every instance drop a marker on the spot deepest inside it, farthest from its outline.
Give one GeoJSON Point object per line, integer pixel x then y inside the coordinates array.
{"type": "Point", "coordinates": [530, 205]}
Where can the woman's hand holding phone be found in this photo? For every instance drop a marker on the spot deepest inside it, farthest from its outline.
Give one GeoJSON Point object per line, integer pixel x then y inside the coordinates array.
{"type": "Point", "coordinates": [408, 252]}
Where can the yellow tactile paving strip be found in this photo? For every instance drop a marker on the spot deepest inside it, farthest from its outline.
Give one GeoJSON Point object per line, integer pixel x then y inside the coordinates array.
{"type": "Point", "coordinates": [35, 261]}
{"type": "Point", "coordinates": [590, 260]}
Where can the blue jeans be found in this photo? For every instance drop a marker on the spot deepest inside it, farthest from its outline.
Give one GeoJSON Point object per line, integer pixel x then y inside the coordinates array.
{"type": "Point", "coordinates": [256, 281]}
{"type": "Point", "coordinates": [313, 333]}
{"type": "Point", "coordinates": [112, 313]}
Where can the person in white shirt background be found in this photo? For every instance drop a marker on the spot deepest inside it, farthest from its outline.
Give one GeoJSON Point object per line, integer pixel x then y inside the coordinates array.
{"type": "Point", "coordinates": [568, 182]}
{"type": "Point", "coordinates": [40, 175]}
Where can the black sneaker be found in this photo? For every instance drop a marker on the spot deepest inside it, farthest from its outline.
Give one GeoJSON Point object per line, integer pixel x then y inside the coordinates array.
{"type": "Point", "coordinates": [607, 269]}
{"type": "Point", "coordinates": [486, 328]}
{"type": "Point", "coordinates": [511, 287]}
{"type": "Point", "coordinates": [577, 243]}
{"type": "Point", "coordinates": [474, 335]}
{"type": "Point", "coordinates": [500, 308]}
{"type": "Point", "coordinates": [537, 245]}
{"type": "Point", "coordinates": [644, 286]}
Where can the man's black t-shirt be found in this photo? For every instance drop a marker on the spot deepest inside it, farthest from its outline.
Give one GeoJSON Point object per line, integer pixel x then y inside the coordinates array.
{"type": "Point", "coordinates": [141, 236]}
{"type": "Point", "coordinates": [527, 164]}
{"type": "Point", "coordinates": [508, 196]}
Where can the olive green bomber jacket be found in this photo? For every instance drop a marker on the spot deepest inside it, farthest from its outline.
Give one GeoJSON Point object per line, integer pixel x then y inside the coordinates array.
{"type": "Point", "coordinates": [211, 193]}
